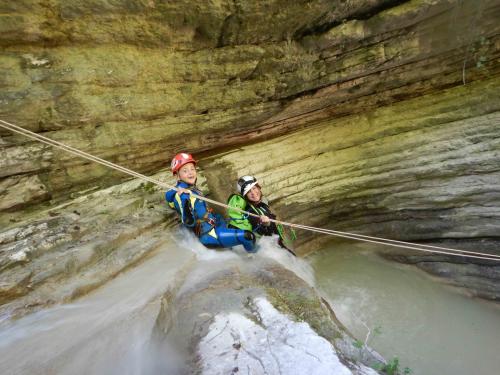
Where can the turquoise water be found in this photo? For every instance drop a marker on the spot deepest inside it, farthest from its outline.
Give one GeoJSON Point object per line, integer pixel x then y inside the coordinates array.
{"type": "Point", "coordinates": [432, 329]}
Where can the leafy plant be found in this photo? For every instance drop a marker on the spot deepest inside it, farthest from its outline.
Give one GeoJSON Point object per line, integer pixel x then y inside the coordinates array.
{"type": "Point", "coordinates": [392, 367]}
{"type": "Point", "coordinates": [358, 344]}
{"type": "Point", "coordinates": [148, 187]}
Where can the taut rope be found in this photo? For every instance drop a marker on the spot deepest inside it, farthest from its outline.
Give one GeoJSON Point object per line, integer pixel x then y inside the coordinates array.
{"type": "Point", "coordinates": [354, 236]}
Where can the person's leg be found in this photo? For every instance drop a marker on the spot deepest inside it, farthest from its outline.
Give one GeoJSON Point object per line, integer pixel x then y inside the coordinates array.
{"type": "Point", "coordinates": [243, 237]}
{"type": "Point", "coordinates": [228, 237]}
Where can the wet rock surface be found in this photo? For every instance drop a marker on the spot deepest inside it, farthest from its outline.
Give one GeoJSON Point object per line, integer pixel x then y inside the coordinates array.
{"type": "Point", "coordinates": [66, 251]}
{"type": "Point", "coordinates": [70, 255]}
{"type": "Point", "coordinates": [254, 315]}
{"type": "Point", "coordinates": [423, 170]}
{"type": "Point", "coordinates": [474, 277]}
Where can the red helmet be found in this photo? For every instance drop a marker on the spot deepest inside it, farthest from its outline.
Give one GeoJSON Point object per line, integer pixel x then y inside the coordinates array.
{"type": "Point", "coordinates": [181, 159]}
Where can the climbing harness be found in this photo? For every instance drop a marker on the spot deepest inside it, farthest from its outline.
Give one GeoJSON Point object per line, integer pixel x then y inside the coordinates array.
{"type": "Point", "coordinates": [206, 219]}
{"type": "Point", "coordinates": [210, 228]}
{"type": "Point", "coordinates": [354, 236]}
{"type": "Point", "coordinates": [238, 219]}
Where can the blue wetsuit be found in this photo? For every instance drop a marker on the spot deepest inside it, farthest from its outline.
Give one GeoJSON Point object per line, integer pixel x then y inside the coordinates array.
{"type": "Point", "coordinates": [210, 228]}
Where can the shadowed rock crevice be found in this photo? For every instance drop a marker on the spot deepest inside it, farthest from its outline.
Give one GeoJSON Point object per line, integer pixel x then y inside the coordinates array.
{"type": "Point", "coordinates": [344, 14]}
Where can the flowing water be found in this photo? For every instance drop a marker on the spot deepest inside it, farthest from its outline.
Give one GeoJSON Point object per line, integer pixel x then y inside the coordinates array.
{"type": "Point", "coordinates": [106, 332]}
{"type": "Point", "coordinates": [432, 329]}
{"type": "Point", "coordinates": [110, 331]}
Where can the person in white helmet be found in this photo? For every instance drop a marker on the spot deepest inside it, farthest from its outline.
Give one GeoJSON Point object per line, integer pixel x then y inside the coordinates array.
{"type": "Point", "coordinates": [250, 198]}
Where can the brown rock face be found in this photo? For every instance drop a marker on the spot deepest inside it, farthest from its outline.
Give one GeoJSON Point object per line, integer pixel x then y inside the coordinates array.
{"type": "Point", "coordinates": [373, 116]}
{"type": "Point", "coordinates": [426, 172]}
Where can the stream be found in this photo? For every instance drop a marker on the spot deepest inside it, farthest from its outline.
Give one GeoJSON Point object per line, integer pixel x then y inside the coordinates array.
{"type": "Point", "coordinates": [431, 328]}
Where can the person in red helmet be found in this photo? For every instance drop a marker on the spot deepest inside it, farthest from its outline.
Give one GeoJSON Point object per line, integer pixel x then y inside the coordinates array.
{"type": "Point", "coordinates": [210, 228]}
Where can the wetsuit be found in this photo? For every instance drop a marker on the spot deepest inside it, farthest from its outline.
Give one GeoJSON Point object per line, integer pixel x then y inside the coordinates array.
{"type": "Point", "coordinates": [210, 228]}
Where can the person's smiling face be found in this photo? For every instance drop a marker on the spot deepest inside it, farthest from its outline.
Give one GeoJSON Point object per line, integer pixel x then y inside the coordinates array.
{"type": "Point", "coordinates": [187, 173]}
{"type": "Point", "coordinates": [254, 195]}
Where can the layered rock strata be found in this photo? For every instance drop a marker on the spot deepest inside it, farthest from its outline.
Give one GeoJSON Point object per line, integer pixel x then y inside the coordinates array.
{"type": "Point", "coordinates": [426, 170]}
{"type": "Point", "coordinates": [383, 114]}
{"type": "Point", "coordinates": [135, 81]}
{"type": "Point", "coordinates": [62, 253]}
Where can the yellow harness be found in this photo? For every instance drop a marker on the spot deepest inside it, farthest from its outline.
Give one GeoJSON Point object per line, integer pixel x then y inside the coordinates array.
{"type": "Point", "coordinates": [199, 222]}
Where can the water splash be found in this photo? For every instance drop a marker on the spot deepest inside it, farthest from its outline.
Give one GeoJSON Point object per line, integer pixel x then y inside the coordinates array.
{"type": "Point", "coordinates": [188, 241]}
{"type": "Point", "coordinates": [267, 247]}
{"type": "Point", "coordinates": [105, 332]}
{"type": "Point", "coordinates": [109, 330]}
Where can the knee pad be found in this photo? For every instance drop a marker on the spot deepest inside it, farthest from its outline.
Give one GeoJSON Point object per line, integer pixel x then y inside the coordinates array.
{"type": "Point", "coordinates": [249, 236]}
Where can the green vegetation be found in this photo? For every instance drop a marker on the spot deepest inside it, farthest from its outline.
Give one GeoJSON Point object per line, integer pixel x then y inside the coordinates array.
{"type": "Point", "coordinates": [392, 367]}
{"type": "Point", "coordinates": [148, 187]}
{"type": "Point", "coordinates": [358, 344]}
{"type": "Point", "coordinates": [304, 309]}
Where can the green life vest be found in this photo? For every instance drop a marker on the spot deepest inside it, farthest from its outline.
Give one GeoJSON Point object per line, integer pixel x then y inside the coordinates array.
{"type": "Point", "coordinates": [238, 219]}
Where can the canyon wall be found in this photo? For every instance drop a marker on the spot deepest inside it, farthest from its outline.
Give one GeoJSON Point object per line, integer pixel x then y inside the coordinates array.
{"type": "Point", "coordinates": [380, 117]}
{"type": "Point", "coordinates": [136, 81]}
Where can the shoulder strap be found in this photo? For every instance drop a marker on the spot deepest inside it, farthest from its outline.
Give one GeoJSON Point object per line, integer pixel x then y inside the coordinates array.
{"type": "Point", "coordinates": [257, 210]}
{"type": "Point", "coordinates": [178, 199]}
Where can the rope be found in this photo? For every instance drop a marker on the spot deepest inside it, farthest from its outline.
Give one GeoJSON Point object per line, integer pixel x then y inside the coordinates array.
{"type": "Point", "coordinates": [354, 236]}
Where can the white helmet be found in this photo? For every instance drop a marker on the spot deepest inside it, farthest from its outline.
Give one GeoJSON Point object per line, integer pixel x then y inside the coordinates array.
{"type": "Point", "coordinates": [245, 183]}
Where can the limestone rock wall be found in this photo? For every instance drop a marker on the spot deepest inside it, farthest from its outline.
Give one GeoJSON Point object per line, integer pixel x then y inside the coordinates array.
{"type": "Point", "coordinates": [374, 116]}
{"type": "Point", "coordinates": [425, 170]}
{"type": "Point", "coordinates": [56, 255]}
{"type": "Point", "coordinates": [417, 170]}
{"type": "Point", "coordinates": [136, 81]}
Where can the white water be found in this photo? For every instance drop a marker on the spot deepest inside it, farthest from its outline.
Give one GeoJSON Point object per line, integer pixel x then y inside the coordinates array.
{"type": "Point", "coordinates": [106, 332]}
{"type": "Point", "coordinates": [109, 330]}
{"type": "Point", "coordinates": [267, 247]}
{"type": "Point", "coordinates": [432, 329]}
